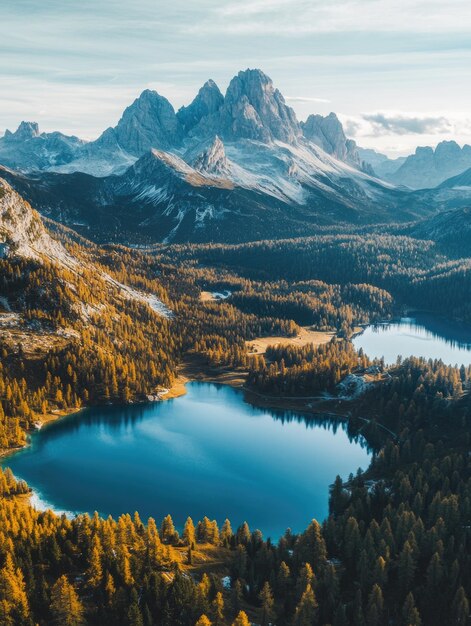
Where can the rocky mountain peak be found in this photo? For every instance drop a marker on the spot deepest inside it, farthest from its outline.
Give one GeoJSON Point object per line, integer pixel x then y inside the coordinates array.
{"type": "Point", "coordinates": [447, 149]}
{"type": "Point", "coordinates": [428, 167]}
{"type": "Point", "coordinates": [212, 159]}
{"type": "Point", "coordinates": [327, 132]}
{"type": "Point", "coordinates": [149, 122]}
{"type": "Point", "coordinates": [208, 101]}
{"type": "Point", "coordinates": [254, 109]}
{"type": "Point", "coordinates": [25, 131]}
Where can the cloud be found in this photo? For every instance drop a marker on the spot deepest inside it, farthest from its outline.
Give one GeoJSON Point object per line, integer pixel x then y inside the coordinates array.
{"type": "Point", "coordinates": [398, 133]}
{"type": "Point", "coordinates": [384, 124]}
{"type": "Point", "coordinates": [306, 99]}
{"type": "Point", "coordinates": [288, 17]}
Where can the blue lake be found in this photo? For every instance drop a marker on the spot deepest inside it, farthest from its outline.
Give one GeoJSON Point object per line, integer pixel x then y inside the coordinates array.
{"type": "Point", "coordinates": [206, 453]}
{"type": "Point", "coordinates": [423, 335]}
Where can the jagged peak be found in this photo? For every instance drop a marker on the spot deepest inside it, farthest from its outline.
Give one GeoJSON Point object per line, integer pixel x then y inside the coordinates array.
{"type": "Point", "coordinates": [208, 101]}
{"type": "Point", "coordinates": [26, 130]}
{"type": "Point", "coordinates": [212, 158]}
{"type": "Point", "coordinates": [149, 97]}
{"type": "Point", "coordinates": [255, 109]}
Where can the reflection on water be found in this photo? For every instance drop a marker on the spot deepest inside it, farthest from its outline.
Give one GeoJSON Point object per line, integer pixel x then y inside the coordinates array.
{"type": "Point", "coordinates": [423, 335]}
{"type": "Point", "coordinates": [206, 453]}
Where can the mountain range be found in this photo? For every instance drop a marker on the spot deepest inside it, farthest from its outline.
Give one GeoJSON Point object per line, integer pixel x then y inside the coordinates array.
{"type": "Point", "coordinates": [425, 169]}
{"type": "Point", "coordinates": [226, 167]}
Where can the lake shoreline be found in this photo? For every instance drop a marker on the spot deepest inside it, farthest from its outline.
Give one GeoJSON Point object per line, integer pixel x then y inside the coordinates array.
{"type": "Point", "coordinates": [44, 420]}
{"type": "Point", "coordinates": [210, 437]}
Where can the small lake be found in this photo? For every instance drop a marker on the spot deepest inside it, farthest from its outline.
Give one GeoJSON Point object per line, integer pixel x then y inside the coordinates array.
{"type": "Point", "coordinates": [206, 453]}
{"type": "Point", "coordinates": [422, 335]}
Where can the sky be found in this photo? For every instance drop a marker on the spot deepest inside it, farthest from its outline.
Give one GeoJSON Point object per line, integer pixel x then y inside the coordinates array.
{"type": "Point", "coordinates": [397, 72]}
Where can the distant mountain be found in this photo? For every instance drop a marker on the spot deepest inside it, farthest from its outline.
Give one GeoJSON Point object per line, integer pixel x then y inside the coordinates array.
{"type": "Point", "coordinates": [428, 168]}
{"type": "Point", "coordinates": [327, 132]}
{"type": "Point", "coordinates": [216, 192]}
{"type": "Point", "coordinates": [251, 110]}
{"type": "Point", "coordinates": [224, 168]}
{"type": "Point", "coordinates": [27, 149]}
{"type": "Point", "coordinates": [450, 229]}
{"type": "Point", "coordinates": [381, 164]}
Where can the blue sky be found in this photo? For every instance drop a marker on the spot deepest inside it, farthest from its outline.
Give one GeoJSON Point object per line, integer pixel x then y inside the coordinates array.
{"type": "Point", "coordinates": [398, 72]}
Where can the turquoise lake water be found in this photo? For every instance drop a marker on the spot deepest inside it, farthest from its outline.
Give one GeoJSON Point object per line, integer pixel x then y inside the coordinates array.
{"type": "Point", "coordinates": [206, 453]}
{"type": "Point", "coordinates": [422, 335]}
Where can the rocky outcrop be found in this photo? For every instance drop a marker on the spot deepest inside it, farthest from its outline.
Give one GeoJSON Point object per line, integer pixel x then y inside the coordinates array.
{"type": "Point", "coordinates": [210, 158]}
{"type": "Point", "coordinates": [327, 132]}
{"type": "Point", "coordinates": [22, 230]}
{"type": "Point", "coordinates": [24, 132]}
{"type": "Point", "coordinates": [207, 102]}
{"type": "Point", "coordinates": [428, 168]}
{"type": "Point", "coordinates": [149, 122]}
{"type": "Point", "coordinates": [252, 109]}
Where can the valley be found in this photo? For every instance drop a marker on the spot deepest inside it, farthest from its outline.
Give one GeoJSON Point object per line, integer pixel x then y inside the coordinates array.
{"type": "Point", "coordinates": [249, 274]}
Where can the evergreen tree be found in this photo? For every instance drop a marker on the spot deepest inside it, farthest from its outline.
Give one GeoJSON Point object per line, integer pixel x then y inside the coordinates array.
{"type": "Point", "coordinates": [237, 596]}
{"type": "Point", "coordinates": [15, 607]}
{"type": "Point", "coordinates": [66, 608]}
{"type": "Point", "coordinates": [410, 613]}
{"type": "Point", "coordinates": [460, 608]}
{"type": "Point", "coordinates": [374, 614]}
{"type": "Point", "coordinates": [189, 533]}
{"type": "Point", "coordinates": [306, 611]}
{"type": "Point", "coordinates": [95, 570]}
{"type": "Point", "coordinates": [241, 620]}
{"type": "Point", "coordinates": [268, 604]}
{"type": "Point", "coordinates": [218, 609]}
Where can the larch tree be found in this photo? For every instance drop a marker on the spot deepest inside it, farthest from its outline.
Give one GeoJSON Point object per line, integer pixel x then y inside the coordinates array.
{"type": "Point", "coordinates": [66, 607]}
{"type": "Point", "coordinates": [374, 613]}
{"type": "Point", "coordinates": [15, 606]}
{"type": "Point", "coordinates": [306, 610]}
{"type": "Point", "coordinates": [241, 619]}
{"type": "Point", "coordinates": [218, 609]}
{"type": "Point", "coordinates": [410, 613]}
{"type": "Point", "coordinates": [95, 569]}
{"type": "Point", "coordinates": [268, 604]}
{"type": "Point", "coordinates": [460, 608]}
{"type": "Point", "coordinates": [189, 536]}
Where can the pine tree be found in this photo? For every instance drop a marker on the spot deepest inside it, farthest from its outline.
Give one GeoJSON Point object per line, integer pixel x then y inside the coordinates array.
{"type": "Point", "coordinates": [268, 603]}
{"type": "Point", "coordinates": [189, 533]}
{"type": "Point", "coordinates": [65, 606]}
{"type": "Point", "coordinates": [241, 620]}
{"type": "Point", "coordinates": [306, 611]}
{"type": "Point", "coordinates": [311, 547]}
{"type": "Point", "coordinates": [237, 596]}
{"type": "Point", "coordinates": [110, 588]}
{"type": "Point", "coordinates": [283, 580]}
{"type": "Point", "coordinates": [410, 613]}
{"type": "Point", "coordinates": [226, 533]}
{"type": "Point", "coordinates": [95, 570]}
{"type": "Point", "coordinates": [218, 609]}
{"type": "Point", "coordinates": [167, 530]}
{"type": "Point", "coordinates": [306, 577]}
{"type": "Point", "coordinates": [375, 607]}
{"type": "Point", "coordinates": [13, 593]}
{"type": "Point", "coordinates": [203, 621]}
{"type": "Point", "coordinates": [460, 608]}
{"type": "Point", "coordinates": [135, 615]}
